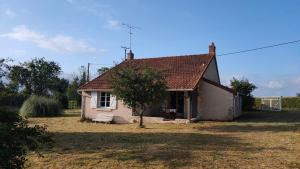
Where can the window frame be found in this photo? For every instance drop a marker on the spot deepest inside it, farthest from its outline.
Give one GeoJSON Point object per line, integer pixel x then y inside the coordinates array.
{"type": "Point", "coordinates": [107, 100]}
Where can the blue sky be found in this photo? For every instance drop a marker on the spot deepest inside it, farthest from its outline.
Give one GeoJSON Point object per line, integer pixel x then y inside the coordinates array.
{"type": "Point", "coordinates": [75, 32]}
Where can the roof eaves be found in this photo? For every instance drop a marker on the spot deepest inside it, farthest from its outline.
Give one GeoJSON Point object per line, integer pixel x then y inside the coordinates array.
{"type": "Point", "coordinates": [219, 85]}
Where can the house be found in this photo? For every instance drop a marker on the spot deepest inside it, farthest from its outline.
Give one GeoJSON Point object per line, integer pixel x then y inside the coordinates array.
{"type": "Point", "coordinates": [194, 91]}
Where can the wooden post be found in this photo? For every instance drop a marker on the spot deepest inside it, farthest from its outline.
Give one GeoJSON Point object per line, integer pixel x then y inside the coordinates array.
{"type": "Point", "coordinates": [189, 107]}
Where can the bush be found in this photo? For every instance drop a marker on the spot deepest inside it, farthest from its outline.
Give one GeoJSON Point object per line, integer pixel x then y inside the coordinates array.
{"type": "Point", "coordinates": [12, 99]}
{"type": "Point", "coordinates": [39, 106]}
{"type": "Point", "coordinates": [9, 116]}
{"type": "Point", "coordinates": [61, 98]}
{"type": "Point", "coordinates": [288, 103]}
{"type": "Point", "coordinates": [17, 138]}
{"type": "Point", "coordinates": [291, 102]}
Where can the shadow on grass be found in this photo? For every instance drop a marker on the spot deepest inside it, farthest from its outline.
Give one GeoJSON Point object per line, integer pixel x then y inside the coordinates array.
{"type": "Point", "coordinates": [255, 128]}
{"type": "Point", "coordinates": [174, 150]}
{"type": "Point", "coordinates": [274, 117]}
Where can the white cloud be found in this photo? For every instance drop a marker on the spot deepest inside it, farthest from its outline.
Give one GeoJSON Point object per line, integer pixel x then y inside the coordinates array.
{"type": "Point", "coordinates": [103, 11]}
{"type": "Point", "coordinates": [9, 13]}
{"type": "Point", "coordinates": [58, 43]}
{"type": "Point", "coordinates": [274, 85]}
{"type": "Point", "coordinates": [297, 81]}
{"type": "Point", "coordinates": [112, 24]}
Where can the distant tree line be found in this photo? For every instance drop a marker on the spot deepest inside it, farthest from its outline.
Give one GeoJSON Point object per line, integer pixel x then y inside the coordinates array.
{"type": "Point", "coordinates": [39, 77]}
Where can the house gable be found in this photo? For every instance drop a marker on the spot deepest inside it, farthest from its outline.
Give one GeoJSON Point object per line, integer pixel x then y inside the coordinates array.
{"type": "Point", "coordinates": [212, 72]}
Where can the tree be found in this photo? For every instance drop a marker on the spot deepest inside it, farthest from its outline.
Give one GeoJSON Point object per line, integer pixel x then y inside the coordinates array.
{"type": "Point", "coordinates": [82, 75]}
{"type": "Point", "coordinates": [138, 87]}
{"type": "Point", "coordinates": [298, 94]}
{"type": "Point", "coordinates": [245, 88]}
{"type": "Point", "coordinates": [72, 93]}
{"type": "Point", "coordinates": [102, 70]}
{"type": "Point", "coordinates": [75, 83]}
{"type": "Point", "coordinates": [59, 91]}
{"type": "Point", "coordinates": [4, 67]}
{"type": "Point", "coordinates": [36, 77]}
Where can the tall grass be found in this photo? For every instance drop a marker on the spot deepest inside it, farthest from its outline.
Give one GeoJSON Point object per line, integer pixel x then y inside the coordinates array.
{"type": "Point", "coordinates": [39, 106]}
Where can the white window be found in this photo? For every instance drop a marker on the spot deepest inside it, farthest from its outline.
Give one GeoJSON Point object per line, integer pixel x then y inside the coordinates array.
{"type": "Point", "coordinates": [103, 99]}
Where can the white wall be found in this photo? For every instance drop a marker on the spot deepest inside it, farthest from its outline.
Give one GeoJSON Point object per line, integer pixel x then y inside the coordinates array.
{"type": "Point", "coordinates": [212, 72]}
{"type": "Point", "coordinates": [214, 103]}
{"type": "Point", "coordinates": [122, 114]}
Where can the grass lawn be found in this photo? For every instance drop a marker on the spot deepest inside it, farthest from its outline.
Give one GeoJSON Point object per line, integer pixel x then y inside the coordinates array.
{"type": "Point", "coordinates": [256, 140]}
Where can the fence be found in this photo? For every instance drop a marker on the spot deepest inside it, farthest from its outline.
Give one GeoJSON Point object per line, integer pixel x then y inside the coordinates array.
{"type": "Point", "coordinates": [287, 103]}
{"type": "Point", "coordinates": [72, 104]}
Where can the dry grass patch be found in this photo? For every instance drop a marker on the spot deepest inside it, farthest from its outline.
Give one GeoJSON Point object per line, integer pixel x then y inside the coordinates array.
{"type": "Point", "coordinates": [245, 143]}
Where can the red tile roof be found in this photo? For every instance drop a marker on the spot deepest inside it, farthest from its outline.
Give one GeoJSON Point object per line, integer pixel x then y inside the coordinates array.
{"type": "Point", "coordinates": [181, 72]}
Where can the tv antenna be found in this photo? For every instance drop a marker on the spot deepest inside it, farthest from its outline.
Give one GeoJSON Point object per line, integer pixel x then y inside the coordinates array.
{"type": "Point", "coordinates": [130, 27]}
{"type": "Point", "coordinates": [125, 50]}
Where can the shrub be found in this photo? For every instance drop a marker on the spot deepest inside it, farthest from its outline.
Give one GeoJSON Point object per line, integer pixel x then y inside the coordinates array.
{"type": "Point", "coordinates": [12, 99]}
{"type": "Point", "coordinates": [61, 98]}
{"type": "Point", "coordinates": [17, 138]}
{"type": "Point", "coordinates": [9, 116]}
{"type": "Point", "coordinates": [291, 102]}
{"type": "Point", "coordinates": [39, 106]}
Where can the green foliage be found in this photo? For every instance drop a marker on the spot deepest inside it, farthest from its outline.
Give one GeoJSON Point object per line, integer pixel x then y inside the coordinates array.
{"type": "Point", "coordinates": [257, 104]}
{"type": "Point", "coordinates": [77, 81]}
{"type": "Point", "coordinates": [102, 70]}
{"type": "Point", "coordinates": [3, 67]}
{"type": "Point", "coordinates": [8, 116]}
{"type": "Point", "coordinates": [12, 99]}
{"type": "Point", "coordinates": [61, 98]}
{"type": "Point", "coordinates": [291, 103]}
{"type": "Point", "coordinates": [72, 104]}
{"type": "Point", "coordinates": [39, 106]}
{"type": "Point", "coordinates": [138, 87]}
{"type": "Point", "coordinates": [17, 138]}
{"type": "Point", "coordinates": [36, 77]}
{"type": "Point", "coordinates": [245, 88]}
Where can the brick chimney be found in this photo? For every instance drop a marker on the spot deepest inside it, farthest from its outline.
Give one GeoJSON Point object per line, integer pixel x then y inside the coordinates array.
{"type": "Point", "coordinates": [130, 55]}
{"type": "Point", "coordinates": [212, 49]}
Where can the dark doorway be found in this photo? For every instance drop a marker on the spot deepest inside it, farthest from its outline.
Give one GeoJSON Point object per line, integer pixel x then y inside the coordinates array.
{"type": "Point", "coordinates": [177, 102]}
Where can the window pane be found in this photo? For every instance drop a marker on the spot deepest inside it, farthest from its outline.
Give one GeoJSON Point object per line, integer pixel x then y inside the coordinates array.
{"type": "Point", "coordinates": [102, 104]}
{"type": "Point", "coordinates": [107, 104]}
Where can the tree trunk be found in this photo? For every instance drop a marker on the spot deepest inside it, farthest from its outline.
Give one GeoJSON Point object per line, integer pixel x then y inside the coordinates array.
{"type": "Point", "coordinates": [141, 117]}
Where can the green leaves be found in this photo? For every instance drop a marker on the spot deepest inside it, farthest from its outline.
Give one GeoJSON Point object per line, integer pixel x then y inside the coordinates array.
{"type": "Point", "coordinates": [17, 138]}
{"type": "Point", "coordinates": [245, 88]}
{"type": "Point", "coordinates": [36, 76]}
{"type": "Point", "coordinates": [138, 86]}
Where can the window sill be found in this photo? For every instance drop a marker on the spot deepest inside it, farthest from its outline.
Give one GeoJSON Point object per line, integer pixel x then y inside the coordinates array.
{"type": "Point", "coordinates": [104, 109]}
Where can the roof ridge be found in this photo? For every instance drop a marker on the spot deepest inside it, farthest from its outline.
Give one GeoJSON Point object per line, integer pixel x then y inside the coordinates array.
{"type": "Point", "coordinates": [162, 57]}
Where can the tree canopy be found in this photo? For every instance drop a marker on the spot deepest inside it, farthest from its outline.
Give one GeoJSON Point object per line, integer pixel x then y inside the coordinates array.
{"type": "Point", "coordinates": [245, 88]}
{"type": "Point", "coordinates": [138, 87]}
{"type": "Point", "coordinates": [37, 76]}
{"type": "Point", "coordinates": [102, 70]}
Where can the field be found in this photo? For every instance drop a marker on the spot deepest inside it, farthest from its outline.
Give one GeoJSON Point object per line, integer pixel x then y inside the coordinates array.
{"type": "Point", "coordinates": [256, 140]}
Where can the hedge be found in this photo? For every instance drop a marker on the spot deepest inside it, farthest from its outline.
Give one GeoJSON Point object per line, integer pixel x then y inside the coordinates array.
{"type": "Point", "coordinates": [291, 102]}
{"type": "Point", "coordinates": [286, 103]}
{"type": "Point", "coordinates": [12, 99]}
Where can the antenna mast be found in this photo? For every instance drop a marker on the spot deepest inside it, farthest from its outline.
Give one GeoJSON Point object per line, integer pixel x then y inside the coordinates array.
{"type": "Point", "coordinates": [130, 27]}
{"type": "Point", "coordinates": [125, 49]}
